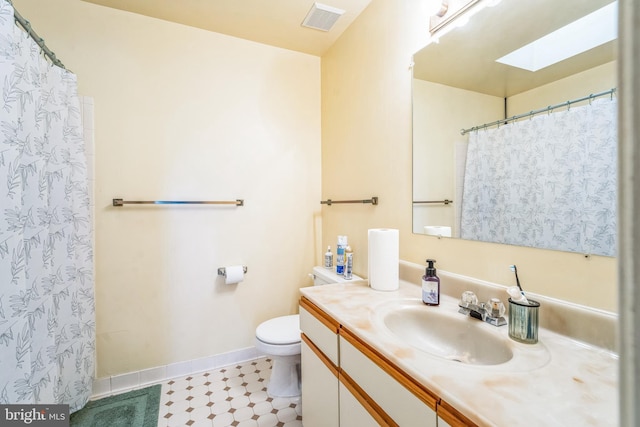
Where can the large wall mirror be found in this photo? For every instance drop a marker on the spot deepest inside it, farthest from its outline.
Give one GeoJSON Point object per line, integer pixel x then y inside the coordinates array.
{"type": "Point", "coordinates": [459, 85]}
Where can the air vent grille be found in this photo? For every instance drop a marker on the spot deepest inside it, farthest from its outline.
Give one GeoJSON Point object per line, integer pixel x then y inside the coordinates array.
{"type": "Point", "coordinates": [322, 17]}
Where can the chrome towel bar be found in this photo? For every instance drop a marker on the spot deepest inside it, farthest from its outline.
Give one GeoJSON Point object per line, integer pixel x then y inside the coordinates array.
{"type": "Point", "coordinates": [329, 202]}
{"type": "Point", "coordinates": [120, 202]}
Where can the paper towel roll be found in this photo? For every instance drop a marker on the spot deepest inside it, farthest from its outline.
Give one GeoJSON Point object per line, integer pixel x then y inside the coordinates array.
{"type": "Point", "coordinates": [437, 230]}
{"type": "Point", "coordinates": [233, 274]}
{"type": "Point", "coordinates": [384, 258]}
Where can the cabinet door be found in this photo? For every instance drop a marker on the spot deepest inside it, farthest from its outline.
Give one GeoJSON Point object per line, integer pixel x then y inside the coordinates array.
{"type": "Point", "coordinates": [319, 388]}
{"type": "Point", "coordinates": [393, 397]}
{"type": "Point", "coordinates": [352, 413]}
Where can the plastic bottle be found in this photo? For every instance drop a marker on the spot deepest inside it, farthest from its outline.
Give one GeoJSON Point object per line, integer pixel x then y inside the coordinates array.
{"type": "Point", "coordinates": [342, 245]}
{"type": "Point", "coordinates": [348, 263]}
{"type": "Point", "coordinates": [328, 259]}
{"type": "Point", "coordinates": [430, 285]}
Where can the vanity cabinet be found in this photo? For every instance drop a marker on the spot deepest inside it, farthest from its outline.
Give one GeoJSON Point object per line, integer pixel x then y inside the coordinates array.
{"type": "Point", "coordinates": [346, 382]}
{"type": "Point", "coordinates": [352, 410]}
{"type": "Point", "coordinates": [319, 389]}
{"type": "Point", "coordinates": [319, 360]}
{"type": "Point", "coordinates": [398, 400]}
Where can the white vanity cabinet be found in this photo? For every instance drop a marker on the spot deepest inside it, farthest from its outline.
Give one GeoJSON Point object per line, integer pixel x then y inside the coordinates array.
{"type": "Point", "coordinates": [347, 383]}
{"type": "Point", "coordinates": [319, 360]}
{"type": "Point", "coordinates": [352, 412]}
{"type": "Point", "coordinates": [398, 400]}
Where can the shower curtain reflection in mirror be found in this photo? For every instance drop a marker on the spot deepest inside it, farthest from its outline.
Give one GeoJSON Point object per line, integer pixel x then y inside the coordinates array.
{"type": "Point", "coordinates": [548, 181]}
{"type": "Point", "coordinates": [47, 319]}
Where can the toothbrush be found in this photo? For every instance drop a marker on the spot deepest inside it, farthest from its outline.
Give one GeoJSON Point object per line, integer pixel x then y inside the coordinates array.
{"type": "Point", "coordinates": [515, 270]}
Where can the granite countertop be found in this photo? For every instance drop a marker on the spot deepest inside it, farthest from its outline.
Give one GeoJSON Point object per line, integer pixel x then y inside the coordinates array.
{"type": "Point", "coordinates": [557, 382]}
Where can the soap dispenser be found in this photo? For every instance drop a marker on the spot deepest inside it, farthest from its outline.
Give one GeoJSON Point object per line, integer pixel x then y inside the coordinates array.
{"type": "Point", "coordinates": [430, 285]}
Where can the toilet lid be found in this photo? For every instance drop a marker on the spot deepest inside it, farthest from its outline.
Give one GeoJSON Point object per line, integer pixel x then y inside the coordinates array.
{"type": "Point", "coordinates": [280, 330]}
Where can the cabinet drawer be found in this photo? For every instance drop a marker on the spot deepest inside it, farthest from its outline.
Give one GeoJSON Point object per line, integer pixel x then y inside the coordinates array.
{"type": "Point", "coordinates": [320, 330]}
{"type": "Point", "coordinates": [403, 406]}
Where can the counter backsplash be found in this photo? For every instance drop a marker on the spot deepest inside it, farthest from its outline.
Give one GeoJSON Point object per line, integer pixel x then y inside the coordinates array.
{"type": "Point", "coordinates": [589, 325]}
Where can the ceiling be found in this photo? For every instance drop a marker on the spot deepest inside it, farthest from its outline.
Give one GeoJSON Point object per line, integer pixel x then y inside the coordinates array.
{"type": "Point", "coordinates": [273, 22]}
{"type": "Point", "coordinates": [465, 58]}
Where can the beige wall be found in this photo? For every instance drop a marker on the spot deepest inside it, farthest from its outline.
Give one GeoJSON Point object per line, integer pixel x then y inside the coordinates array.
{"type": "Point", "coordinates": [595, 80]}
{"type": "Point", "coordinates": [183, 114]}
{"type": "Point", "coordinates": [366, 141]}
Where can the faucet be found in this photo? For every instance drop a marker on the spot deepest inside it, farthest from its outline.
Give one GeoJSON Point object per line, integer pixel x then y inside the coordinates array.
{"type": "Point", "coordinates": [491, 312]}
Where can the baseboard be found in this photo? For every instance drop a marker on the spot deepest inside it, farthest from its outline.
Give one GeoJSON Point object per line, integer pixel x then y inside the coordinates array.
{"type": "Point", "coordinates": [116, 384]}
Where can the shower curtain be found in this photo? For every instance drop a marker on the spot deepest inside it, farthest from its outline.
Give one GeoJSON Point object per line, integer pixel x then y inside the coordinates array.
{"type": "Point", "coordinates": [547, 182]}
{"type": "Point", "coordinates": [47, 318]}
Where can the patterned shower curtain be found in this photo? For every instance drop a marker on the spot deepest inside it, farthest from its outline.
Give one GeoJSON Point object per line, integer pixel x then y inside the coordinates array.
{"type": "Point", "coordinates": [548, 182]}
{"type": "Point", "coordinates": [47, 317]}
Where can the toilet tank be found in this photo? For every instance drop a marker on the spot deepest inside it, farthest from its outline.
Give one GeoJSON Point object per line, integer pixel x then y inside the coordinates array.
{"type": "Point", "coordinates": [324, 276]}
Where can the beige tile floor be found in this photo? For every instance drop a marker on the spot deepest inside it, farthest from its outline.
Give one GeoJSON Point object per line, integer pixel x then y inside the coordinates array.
{"type": "Point", "coordinates": [231, 396]}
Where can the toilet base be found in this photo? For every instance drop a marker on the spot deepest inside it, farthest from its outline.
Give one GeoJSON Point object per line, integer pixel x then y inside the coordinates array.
{"type": "Point", "coordinates": [285, 376]}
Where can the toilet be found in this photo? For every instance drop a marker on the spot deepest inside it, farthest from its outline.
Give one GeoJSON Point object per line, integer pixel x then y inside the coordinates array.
{"type": "Point", "coordinates": [279, 339]}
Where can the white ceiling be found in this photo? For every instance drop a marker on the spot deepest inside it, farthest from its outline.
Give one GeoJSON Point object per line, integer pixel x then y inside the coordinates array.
{"type": "Point", "coordinates": [272, 22]}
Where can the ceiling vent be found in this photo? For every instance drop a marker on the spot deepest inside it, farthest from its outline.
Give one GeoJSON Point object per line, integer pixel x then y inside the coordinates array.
{"type": "Point", "coordinates": [322, 17]}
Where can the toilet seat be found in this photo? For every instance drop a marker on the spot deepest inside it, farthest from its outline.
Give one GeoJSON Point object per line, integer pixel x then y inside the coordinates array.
{"type": "Point", "coordinates": [283, 330]}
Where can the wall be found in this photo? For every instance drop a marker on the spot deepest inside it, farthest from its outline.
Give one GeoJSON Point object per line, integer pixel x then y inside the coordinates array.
{"type": "Point", "coordinates": [181, 114]}
{"type": "Point", "coordinates": [595, 80]}
{"type": "Point", "coordinates": [366, 141]}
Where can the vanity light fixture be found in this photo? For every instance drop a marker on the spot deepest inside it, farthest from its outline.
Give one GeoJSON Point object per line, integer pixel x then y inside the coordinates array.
{"type": "Point", "coordinates": [322, 17]}
{"type": "Point", "coordinates": [586, 33]}
{"type": "Point", "coordinates": [455, 14]}
{"type": "Point", "coordinates": [435, 7]}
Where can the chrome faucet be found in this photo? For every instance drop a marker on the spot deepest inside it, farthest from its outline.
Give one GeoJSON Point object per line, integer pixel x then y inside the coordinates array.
{"type": "Point", "coordinates": [491, 312]}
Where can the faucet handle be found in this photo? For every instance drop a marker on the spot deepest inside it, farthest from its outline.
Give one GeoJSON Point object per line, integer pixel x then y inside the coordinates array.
{"type": "Point", "coordinates": [495, 308]}
{"type": "Point", "coordinates": [469, 298]}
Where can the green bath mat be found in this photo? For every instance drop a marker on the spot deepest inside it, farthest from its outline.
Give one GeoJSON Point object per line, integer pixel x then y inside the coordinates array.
{"type": "Point", "coordinates": [137, 408]}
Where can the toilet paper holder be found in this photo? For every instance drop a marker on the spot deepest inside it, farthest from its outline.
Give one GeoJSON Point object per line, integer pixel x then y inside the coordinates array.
{"type": "Point", "coordinates": [223, 272]}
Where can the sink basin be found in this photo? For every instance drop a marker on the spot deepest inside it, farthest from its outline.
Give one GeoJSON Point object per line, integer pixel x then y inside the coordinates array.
{"type": "Point", "coordinates": [447, 334]}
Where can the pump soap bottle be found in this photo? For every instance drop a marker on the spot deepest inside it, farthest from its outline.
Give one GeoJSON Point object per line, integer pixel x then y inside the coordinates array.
{"type": "Point", "coordinates": [430, 285]}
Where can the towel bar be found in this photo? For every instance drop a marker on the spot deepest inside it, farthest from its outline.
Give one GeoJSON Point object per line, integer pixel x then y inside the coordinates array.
{"type": "Point", "coordinates": [120, 202]}
{"type": "Point", "coordinates": [329, 202]}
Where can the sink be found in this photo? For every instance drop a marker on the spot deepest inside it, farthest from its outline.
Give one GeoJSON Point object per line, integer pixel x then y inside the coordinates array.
{"type": "Point", "coordinates": [445, 333]}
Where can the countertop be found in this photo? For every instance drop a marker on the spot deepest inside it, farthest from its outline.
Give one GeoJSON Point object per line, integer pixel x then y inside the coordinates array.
{"type": "Point", "coordinates": [557, 382]}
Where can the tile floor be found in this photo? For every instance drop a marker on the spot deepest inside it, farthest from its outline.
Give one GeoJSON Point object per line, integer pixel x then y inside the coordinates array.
{"type": "Point", "coordinates": [231, 396]}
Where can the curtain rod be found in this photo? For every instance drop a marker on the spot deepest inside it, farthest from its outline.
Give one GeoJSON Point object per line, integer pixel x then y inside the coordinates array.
{"type": "Point", "coordinates": [26, 25]}
{"type": "Point", "coordinates": [542, 110]}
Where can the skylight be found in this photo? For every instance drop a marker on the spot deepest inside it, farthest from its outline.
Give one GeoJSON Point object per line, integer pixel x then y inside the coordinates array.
{"type": "Point", "coordinates": [588, 32]}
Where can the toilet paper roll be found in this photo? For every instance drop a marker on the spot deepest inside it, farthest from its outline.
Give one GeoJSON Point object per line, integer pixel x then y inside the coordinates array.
{"type": "Point", "coordinates": [384, 258]}
{"type": "Point", "coordinates": [437, 230]}
{"type": "Point", "coordinates": [233, 274]}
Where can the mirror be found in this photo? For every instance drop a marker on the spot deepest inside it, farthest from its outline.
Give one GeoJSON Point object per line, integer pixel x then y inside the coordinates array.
{"type": "Point", "coordinates": [457, 84]}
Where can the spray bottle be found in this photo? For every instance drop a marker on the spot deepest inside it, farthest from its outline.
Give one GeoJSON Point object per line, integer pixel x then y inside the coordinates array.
{"type": "Point", "coordinates": [348, 263]}
{"type": "Point", "coordinates": [340, 258]}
